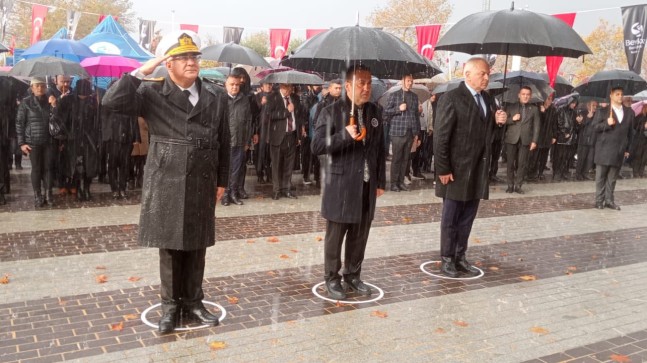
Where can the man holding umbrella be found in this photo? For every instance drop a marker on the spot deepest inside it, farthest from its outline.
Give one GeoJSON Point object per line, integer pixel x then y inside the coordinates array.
{"type": "Point", "coordinates": [355, 179]}
{"type": "Point", "coordinates": [465, 122]}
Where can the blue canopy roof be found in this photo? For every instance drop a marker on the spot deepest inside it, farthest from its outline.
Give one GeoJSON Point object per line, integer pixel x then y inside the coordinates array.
{"type": "Point", "coordinates": [60, 34]}
{"type": "Point", "coordinates": [110, 38]}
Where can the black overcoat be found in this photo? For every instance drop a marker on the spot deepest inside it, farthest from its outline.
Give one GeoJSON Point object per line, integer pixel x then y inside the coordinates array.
{"type": "Point", "coordinates": [612, 141]}
{"type": "Point", "coordinates": [462, 145]}
{"type": "Point", "coordinates": [341, 199]}
{"type": "Point", "coordinates": [188, 158]}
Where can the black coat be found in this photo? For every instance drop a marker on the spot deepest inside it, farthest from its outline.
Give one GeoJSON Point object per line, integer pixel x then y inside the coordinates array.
{"type": "Point", "coordinates": [342, 194]}
{"type": "Point", "coordinates": [462, 145]}
{"type": "Point", "coordinates": [277, 115]}
{"type": "Point", "coordinates": [32, 122]}
{"type": "Point", "coordinates": [612, 141]}
{"type": "Point", "coordinates": [240, 120]}
{"type": "Point", "coordinates": [547, 127]}
{"type": "Point", "coordinates": [565, 129]}
{"type": "Point", "coordinates": [188, 158]}
{"type": "Point", "coordinates": [586, 132]}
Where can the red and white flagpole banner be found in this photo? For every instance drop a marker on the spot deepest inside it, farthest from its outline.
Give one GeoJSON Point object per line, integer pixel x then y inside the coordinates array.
{"type": "Point", "coordinates": [38, 14]}
{"type": "Point", "coordinates": [279, 41]}
{"type": "Point", "coordinates": [191, 27]}
{"type": "Point", "coordinates": [427, 39]}
{"type": "Point", "coordinates": [312, 32]}
{"type": "Point", "coordinates": [553, 63]}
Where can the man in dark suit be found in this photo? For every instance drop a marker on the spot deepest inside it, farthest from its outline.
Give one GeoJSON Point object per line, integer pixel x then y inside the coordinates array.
{"type": "Point", "coordinates": [614, 125]}
{"type": "Point", "coordinates": [356, 177]}
{"type": "Point", "coordinates": [521, 136]}
{"type": "Point", "coordinates": [465, 122]}
{"type": "Point", "coordinates": [286, 118]}
{"type": "Point", "coordinates": [186, 172]}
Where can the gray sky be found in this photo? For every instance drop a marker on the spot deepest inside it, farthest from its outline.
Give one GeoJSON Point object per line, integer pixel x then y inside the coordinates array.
{"type": "Point", "coordinates": [301, 14]}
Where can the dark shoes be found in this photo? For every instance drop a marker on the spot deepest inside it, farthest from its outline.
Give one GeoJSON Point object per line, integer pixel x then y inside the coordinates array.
{"type": "Point", "coordinates": [599, 205]}
{"type": "Point", "coordinates": [612, 206]}
{"type": "Point", "coordinates": [234, 199]}
{"type": "Point", "coordinates": [464, 266]}
{"type": "Point", "coordinates": [199, 313]}
{"type": "Point", "coordinates": [403, 187]}
{"type": "Point", "coordinates": [242, 194]}
{"type": "Point", "coordinates": [394, 188]}
{"type": "Point", "coordinates": [359, 286]}
{"type": "Point", "coordinates": [170, 317]}
{"type": "Point", "coordinates": [418, 176]}
{"type": "Point", "coordinates": [289, 195]}
{"type": "Point", "coordinates": [115, 195]}
{"type": "Point", "coordinates": [518, 190]}
{"type": "Point", "coordinates": [448, 267]}
{"type": "Point", "coordinates": [335, 290]}
{"type": "Point", "coordinates": [276, 196]}
{"type": "Point", "coordinates": [510, 189]}
{"type": "Point", "coordinates": [3, 201]}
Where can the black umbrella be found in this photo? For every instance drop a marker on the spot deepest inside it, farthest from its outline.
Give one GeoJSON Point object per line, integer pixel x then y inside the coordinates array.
{"type": "Point", "coordinates": [234, 53]}
{"type": "Point", "coordinates": [541, 88]}
{"type": "Point", "coordinates": [599, 85]}
{"type": "Point", "coordinates": [292, 77]}
{"type": "Point", "coordinates": [562, 86]}
{"type": "Point", "coordinates": [337, 49]}
{"type": "Point", "coordinates": [3, 48]}
{"type": "Point", "coordinates": [47, 66]}
{"type": "Point", "coordinates": [513, 32]}
{"type": "Point", "coordinates": [378, 87]}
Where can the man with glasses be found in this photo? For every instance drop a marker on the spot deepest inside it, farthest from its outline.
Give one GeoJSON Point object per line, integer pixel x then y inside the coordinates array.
{"type": "Point", "coordinates": [186, 172]}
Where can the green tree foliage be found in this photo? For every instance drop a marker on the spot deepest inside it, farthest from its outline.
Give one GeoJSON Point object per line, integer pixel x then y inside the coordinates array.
{"type": "Point", "coordinates": [259, 42]}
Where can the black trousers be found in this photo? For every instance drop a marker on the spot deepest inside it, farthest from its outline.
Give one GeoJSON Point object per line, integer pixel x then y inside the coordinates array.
{"type": "Point", "coordinates": [118, 165]}
{"type": "Point", "coordinates": [584, 159]}
{"type": "Point", "coordinates": [306, 158]}
{"type": "Point", "coordinates": [181, 273]}
{"type": "Point", "coordinates": [456, 226]}
{"type": "Point", "coordinates": [283, 162]}
{"type": "Point", "coordinates": [605, 183]}
{"type": "Point", "coordinates": [5, 161]}
{"type": "Point", "coordinates": [497, 146]}
{"type": "Point", "coordinates": [537, 162]}
{"type": "Point", "coordinates": [561, 154]}
{"type": "Point", "coordinates": [41, 158]}
{"type": "Point", "coordinates": [401, 146]}
{"type": "Point", "coordinates": [517, 162]}
{"type": "Point", "coordinates": [356, 236]}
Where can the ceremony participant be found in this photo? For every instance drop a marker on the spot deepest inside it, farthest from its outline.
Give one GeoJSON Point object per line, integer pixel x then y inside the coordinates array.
{"type": "Point", "coordinates": [586, 142]}
{"type": "Point", "coordinates": [613, 125]}
{"type": "Point", "coordinates": [32, 131]}
{"type": "Point", "coordinates": [263, 161]}
{"type": "Point", "coordinates": [566, 138]}
{"type": "Point", "coordinates": [403, 111]}
{"type": "Point", "coordinates": [186, 171]}
{"type": "Point", "coordinates": [465, 122]}
{"type": "Point", "coordinates": [63, 88]}
{"type": "Point", "coordinates": [522, 132]}
{"type": "Point", "coordinates": [548, 124]}
{"type": "Point", "coordinates": [639, 149]}
{"type": "Point", "coordinates": [355, 177]}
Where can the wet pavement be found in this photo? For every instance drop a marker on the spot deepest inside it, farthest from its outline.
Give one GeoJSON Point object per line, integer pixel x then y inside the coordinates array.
{"type": "Point", "coordinates": [562, 281]}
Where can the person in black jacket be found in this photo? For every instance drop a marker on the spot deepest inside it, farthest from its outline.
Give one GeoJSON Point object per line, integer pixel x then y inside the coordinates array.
{"type": "Point", "coordinates": [356, 177]}
{"type": "Point", "coordinates": [639, 148]}
{"type": "Point", "coordinates": [334, 94]}
{"type": "Point", "coordinates": [32, 131]}
{"type": "Point", "coordinates": [586, 142]}
{"type": "Point", "coordinates": [565, 133]}
{"type": "Point", "coordinates": [547, 127]}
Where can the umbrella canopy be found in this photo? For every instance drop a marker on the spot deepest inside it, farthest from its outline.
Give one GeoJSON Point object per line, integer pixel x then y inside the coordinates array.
{"type": "Point", "coordinates": [59, 48]}
{"type": "Point", "coordinates": [109, 65]}
{"type": "Point", "coordinates": [335, 50]}
{"type": "Point", "coordinates": [562, 85]}
{"type": "Point", "coordinates": [638, 107]}
{"type": "Point", "coordinates": [541, 88]}
{"type": "Point", "coordinates": [600, 84]}
{"type": "Point", "coordinates": [234, 53]}
{"type": "Point", "coordinates": [292, 77]}
{"type": "Point", "coordinates": [421, 91]}
{"type": "Point", "coordinates": [47, 66]}
{"type": "Point", "coordinates": [3, 48]}
{"type": "Point", "coordinates": [513, 32]}
{"type": "Point", "coordinates": [378, 87]}
{"type": "Point", "coordinates": [640, 96]}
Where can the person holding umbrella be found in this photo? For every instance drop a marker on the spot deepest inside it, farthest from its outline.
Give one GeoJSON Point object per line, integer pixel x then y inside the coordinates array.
{"type": "Point", "coordinates": [357, 177]}
{"type": "Point", "coordinates": [614, 125]}
{"type": "Point", "coordinates": [465, 122]}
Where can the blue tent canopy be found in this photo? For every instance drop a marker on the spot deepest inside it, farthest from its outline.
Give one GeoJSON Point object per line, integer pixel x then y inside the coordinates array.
{"type": "Point", "coordinates": [61, 34]}
{"type": "Point", "coordinates": [110, 38]}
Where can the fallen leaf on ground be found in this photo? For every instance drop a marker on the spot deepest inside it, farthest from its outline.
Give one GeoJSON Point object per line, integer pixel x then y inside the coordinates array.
{"type": "Point", "coordinates": [619, 358]}
{"type": "Point", "coordinates": [538, 330]}
{"type": "Point", "coordinates": [594, 257]}
{"type": "Point", "coordinates": [406, 220]}
{"type": "Point", "coordinates": [101, 279]}
{"type": "Point", "coordinates": [271, 273]}
{"type": "Point", "coordinates": [318, 238]}
{"type": "Point", "coordinates": [100, 267]}
{"type": "Point", "coordinates": [528, 277]}
{"type": "Point", "coordinates": [439, 331]}
{"type": "Point", "coordinates": [294, 251]}
{"type": "Point", "coordinates": [217, 345]}
{"type": "Point", "coordinates": [388, 222]}
{"type": "Point", "coordinates": [339, 304]}
{"type": "Point", "coordinates": [557, 255]}
{"type": "Point", "coordinates": [250, 241]}
{"type": "Point", "coordinates": [379, 314]}
{"type": "Point", "coordinates": [478, 263]}
{"type": "Point", "coordinates": [118, 326]}
{"type": "Point", "coordinates": [273, 239]}
{"type": "Point", "coordinates": [127, 227]}
{"type": "Point", "coordinates": [284, 257]}
{"type": "Point", "coordinates": [4, 279]}
{"type": "Point", "coordinates": [131, 317]}
{"type": "Point", "coordinates": [503, 254]}
{"type": "Point", "coordinates": [572, 268]}
{"type": "Point", "coordinates": [461, 323]}
{"type": "Point", "coordinates": [493, 268]}
{"type": "Point", "coordinates": [232, 300]}
{"type": "Point", "coordinates": [134, 278]}
{"type": "Point", "coordinates": [637, 236]}
{"type": "Point", "coordinates": [476, 240]}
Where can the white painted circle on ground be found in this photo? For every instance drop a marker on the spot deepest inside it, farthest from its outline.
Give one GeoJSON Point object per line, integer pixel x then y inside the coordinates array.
{"type": "Point", "coordinates": [155, 326]}
{"type": "Point", "coordinates": [422, 268]}
{"type": "Point", "coordinates": [317, 294]}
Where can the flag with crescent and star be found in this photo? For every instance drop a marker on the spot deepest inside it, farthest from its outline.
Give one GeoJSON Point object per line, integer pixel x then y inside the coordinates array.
{"type": "Point", "coordinates": [38, 14]}
{"type": "Point", "coordinates": [427, 39]}
{"type": "Point", "coordinates": [279, 40]}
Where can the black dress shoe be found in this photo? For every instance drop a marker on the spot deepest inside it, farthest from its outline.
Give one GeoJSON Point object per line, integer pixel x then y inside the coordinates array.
{"type": "Point", "coordinates": [276, 196]}
{"type": "Point", "coordinates": [599, 205]}
{"type": "Point", "coordinates": [122, 194]}
{"type": "Point", "coordinates": [115, 195]}
{"type": "Point", "coordinates": [199, 313]}
{"type": "Point", "coordinates": [612, 206]}
{"type": "Point", "coordinates": [3, 201]}
{"type": "Point", "coordinates": [289, 195]}
{"type": "Point", "coordinates": [359, 286]}
{"type": "Point", "coordinates": [242, 194]}
{"type": "Point", "coordinates": [510, 189]}
{"type": "Point", "coordinates": [394, 188]}
{"type": "Point", "coordinates": [234, 199]}
{"type": "Point", "coordinates": [335, 290]}
{"type": "Point", "coordinates": [170, 316]}
{"type": "Point", "coordinates": [403, 187]}
{"type": "Point", "coordinates": [463, 265]}
{"type": "Point", "coordinates": [225, 200]}
{"type": "Point", "coordinates": [448, 267]}
{"type": "Point", "coordinates": [519, 190]}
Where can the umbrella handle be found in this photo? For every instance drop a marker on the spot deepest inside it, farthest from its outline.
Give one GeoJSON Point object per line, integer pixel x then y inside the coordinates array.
{"type": "Point", "coordinates": [362, 131]}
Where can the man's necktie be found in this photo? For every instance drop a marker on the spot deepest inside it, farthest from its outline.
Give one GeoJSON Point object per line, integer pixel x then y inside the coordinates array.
{"type": "Point", "coordinates": [289, 119]}
{"type": "Point", "coordinates": [187, 93]}
{"type": "Point", "coordinates": [480, 105]}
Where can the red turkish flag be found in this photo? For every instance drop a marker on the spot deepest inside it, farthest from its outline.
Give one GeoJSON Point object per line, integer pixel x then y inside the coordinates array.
{"type": "Point", "coordinates": [191, 27]}
{"type": "Point", "coordinates": [12, 46]}
{"type": "Point", "coordinates": [312, 32]}
{"type": "Point", "coordinates": [279, 40]}
{"type": "Point", "coordinates": [103, 16]}
{"type": "Point", "coordinates": [553, 63]}
{"type": "Point", "coordinates": [427, 39]}
{"type": "Point", "coordinates": [38, 14]}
